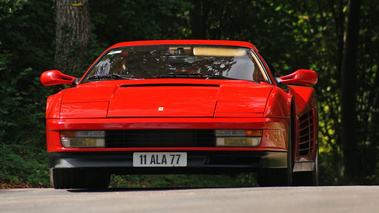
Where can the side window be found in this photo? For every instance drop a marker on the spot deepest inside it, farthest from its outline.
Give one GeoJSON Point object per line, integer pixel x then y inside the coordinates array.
{"type": "Point", "coordinates": [259, 74]}
{"type": "Point", "coordinates": [273, 71]}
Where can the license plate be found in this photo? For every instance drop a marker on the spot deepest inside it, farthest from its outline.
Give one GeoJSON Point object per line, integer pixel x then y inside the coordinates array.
{"type": "Point", "coordinates": [159, 159]}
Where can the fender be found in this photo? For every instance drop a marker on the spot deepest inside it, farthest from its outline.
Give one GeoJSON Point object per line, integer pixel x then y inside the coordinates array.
{"type": "Point", "coordinates": [305, 98]}
{"type": "Point", "coordinates": [53, 105]}
{"type": "Point", "coordinates": [278, 104]}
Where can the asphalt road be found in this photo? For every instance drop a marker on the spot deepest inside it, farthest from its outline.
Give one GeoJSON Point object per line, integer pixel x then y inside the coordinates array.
{"type": "Point", "coordinates": [257, 199]}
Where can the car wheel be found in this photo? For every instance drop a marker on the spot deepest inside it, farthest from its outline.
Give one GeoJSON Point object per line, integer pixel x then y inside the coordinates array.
{"type": "Point", "coordinates": [280, 177]}
{"type": "Point", "coordinates": [307, 178]}
{"type": "Point", "coordinates": [78, 178]}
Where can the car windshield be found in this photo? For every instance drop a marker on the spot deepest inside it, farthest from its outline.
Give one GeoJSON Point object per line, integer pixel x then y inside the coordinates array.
{"type": "Point", "coordinates": [168, 61]}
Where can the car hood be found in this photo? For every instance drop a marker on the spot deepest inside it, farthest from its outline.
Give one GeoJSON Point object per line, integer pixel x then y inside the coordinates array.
{"type": "Point", "coordinates": [166, 99]}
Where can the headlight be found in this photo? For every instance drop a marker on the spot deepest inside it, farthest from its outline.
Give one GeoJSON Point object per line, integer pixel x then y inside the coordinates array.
{"type": "Point", "coordinates": [237, 137]}
{"type": "Point", "coordinates": [82, 139]}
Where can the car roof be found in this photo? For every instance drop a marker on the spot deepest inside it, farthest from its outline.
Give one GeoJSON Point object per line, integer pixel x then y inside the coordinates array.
{"type": "Point", "coordinates": [185, 42]}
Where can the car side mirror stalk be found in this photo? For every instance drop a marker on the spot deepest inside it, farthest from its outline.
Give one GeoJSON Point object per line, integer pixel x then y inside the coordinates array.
{"type": "Point", "coordinates": [55, 77]}
{"type": "Point", "coordinates": [302, 77]}
{"type": "Point", "coordinates": [75, 82]}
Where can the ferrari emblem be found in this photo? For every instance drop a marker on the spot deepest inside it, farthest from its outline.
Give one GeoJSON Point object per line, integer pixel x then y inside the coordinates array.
{"type": "Point", "coordinates": [160, 109]}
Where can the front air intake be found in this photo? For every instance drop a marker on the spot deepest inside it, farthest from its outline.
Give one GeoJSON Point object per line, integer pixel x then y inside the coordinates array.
{"type": "Point", "coordinates": [160, 138]}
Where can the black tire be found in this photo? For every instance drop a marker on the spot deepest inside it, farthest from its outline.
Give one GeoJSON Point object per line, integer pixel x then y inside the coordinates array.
{"type": "Point", "coordinates": [282, 176]}
{"type": "Point", "coordinates": [79, 178]}
{"type": "Point", "coordinates": [307, 178]}
{"type": "Point", "coordinates": [274, 177]}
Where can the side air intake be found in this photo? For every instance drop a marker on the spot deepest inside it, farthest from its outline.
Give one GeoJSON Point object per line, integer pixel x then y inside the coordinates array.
{"type": "Point", "coordinates": [307, 133]}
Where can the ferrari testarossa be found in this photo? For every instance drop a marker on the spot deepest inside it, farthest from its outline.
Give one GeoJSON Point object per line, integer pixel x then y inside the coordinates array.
{"type": "Point", "coordinates": [182, 106]}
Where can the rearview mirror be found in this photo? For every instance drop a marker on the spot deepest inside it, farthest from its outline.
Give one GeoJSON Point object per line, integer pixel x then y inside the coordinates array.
{"type": "Point", "coordinates": [302, 77]}
{"type": "Point", "coordinates": [54, 77]}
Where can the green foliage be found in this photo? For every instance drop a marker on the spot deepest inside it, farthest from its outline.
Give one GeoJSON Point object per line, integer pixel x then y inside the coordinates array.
{"type": "Point", "coordinates": [25, 51]}
{"type": "Point", "coordinates": [117, 21]}
{"type": "Point", "coordinates": [23, 164]}
{"type": "Point", "coordinates": [182, 181]}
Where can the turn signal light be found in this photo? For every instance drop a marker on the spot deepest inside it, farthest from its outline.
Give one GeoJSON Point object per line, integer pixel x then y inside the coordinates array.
{"type": "Point", "coordinates": [238, 137]}
{"type": "Point", "coordinates": [82, 139]}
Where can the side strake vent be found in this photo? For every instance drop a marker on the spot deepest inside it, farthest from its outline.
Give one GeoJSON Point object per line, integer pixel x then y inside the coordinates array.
{"type": "Point", "coordinates": [306, 133]}
{"type": "Point", "coordinates": [170, 85]}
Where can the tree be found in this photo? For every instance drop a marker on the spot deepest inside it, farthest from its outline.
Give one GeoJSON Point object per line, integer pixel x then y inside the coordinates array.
{"type": "Point", "coordinates": [26, 49]}
{"type": "Point", "coordinates": [73, 34]}
{"type": "Point", "coordinates": [198, 14]}
{"type": "Point", "coordinates": [348, 90]}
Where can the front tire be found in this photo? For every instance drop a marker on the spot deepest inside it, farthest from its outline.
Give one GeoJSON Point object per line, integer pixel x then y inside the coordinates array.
{"type": "Point", "coordinates": [282, 176]}
{"type": "Point", "coordinates": [79, 178]}
{"type": "Point", "coordinates": [308, 178]}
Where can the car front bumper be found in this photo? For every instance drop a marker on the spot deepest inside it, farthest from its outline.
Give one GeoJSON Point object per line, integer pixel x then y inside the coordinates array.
{"type": "Point", "coordinates": [197, 162]}
{"type": "Point", "coordinates": [271, 153]}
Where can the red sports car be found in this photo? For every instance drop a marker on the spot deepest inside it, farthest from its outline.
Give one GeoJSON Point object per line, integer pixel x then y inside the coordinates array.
{"type": "Point", "coordinates": [182, 106]}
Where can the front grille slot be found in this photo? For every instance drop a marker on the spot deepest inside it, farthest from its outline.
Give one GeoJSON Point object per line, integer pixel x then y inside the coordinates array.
{"type": "Point", "coordinates": [306, 133]}
{"type": "Point", "coordinates": [232, 160]}
{"type": "Point", "coordinates": [160, 138]}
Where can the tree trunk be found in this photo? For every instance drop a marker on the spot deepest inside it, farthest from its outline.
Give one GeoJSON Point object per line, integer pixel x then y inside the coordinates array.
{"type": "Point", "coordinates": [348, 92]}
{"type": "Point", "coordinates": [198, 20]}
{"type": "Point", "coordinates": [73, 33]}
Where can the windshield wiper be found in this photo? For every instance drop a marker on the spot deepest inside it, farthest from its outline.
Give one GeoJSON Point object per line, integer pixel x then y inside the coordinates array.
{"type": "Point", "coordinates": [193, 75]}
{"type": "Point", "coordinates": [219, 77]}
{"type": "Point", "coordinates": [182, 75]}
{"type": "Point", "coordinates": [112, 76]}
{"type": "Point", "coordinates": [228, 78]}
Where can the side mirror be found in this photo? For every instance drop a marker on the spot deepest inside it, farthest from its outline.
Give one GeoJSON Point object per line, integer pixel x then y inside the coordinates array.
{"type": "Point", "coordinates": [302, 77]}
{"type": "Point", "coordinates": [54, 77]}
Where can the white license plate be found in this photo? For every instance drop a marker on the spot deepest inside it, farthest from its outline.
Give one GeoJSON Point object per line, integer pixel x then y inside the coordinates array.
{"type": "Point", "coordinates": [159, 159]}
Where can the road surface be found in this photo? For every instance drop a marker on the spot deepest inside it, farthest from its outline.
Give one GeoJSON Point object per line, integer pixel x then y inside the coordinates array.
{"type": "Point", "coordinates": [344, 199]}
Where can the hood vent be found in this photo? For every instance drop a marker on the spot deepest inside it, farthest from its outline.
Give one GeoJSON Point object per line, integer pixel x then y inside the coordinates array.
{"type": "Point", "coordinates": [171, 85]}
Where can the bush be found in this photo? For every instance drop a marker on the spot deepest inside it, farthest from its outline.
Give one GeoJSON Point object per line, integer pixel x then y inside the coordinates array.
{"type": "Point", "coordinates": [182, 181]}
{"type": "Point", "coordinates": [23, 166]}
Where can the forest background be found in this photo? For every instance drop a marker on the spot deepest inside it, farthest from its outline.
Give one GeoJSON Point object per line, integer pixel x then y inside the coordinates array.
{"type": "Point", "coordinates": [339, 39]}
